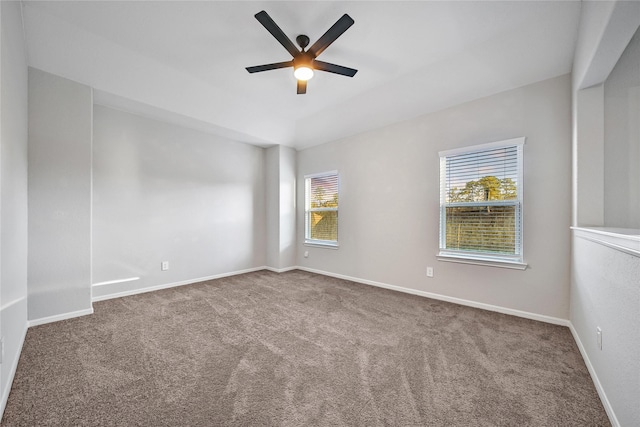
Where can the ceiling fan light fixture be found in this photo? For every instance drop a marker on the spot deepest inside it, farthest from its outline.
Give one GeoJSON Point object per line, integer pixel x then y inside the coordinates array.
{"type": "Point", "coordinates": [303, 72]}
{"type": "Point", "coordinates": [304, 62]}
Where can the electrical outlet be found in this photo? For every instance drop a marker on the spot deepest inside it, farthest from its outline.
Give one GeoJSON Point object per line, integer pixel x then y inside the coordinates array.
{"type": "Point", "coordinates": [429, 271]}
{"type": "Point", "coordinates": [599, 337]}
{"type": "Point", "coordinates": [306, 254]}
{"type": "Point", "coordinates": [164, 266]}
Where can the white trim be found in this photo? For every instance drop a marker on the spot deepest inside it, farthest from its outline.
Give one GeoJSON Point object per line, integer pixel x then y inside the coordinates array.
{"type": "Point", "coordinates": [483, 147]}
{"type": "Point", "coordinates": [514, 265]}
{"type": "Point", "coordinates": [12, 373]}
{"type": "Point", "coordinates": [327, 244]}
{"type": "Point", "coordinates": [58, 317]}
{"type": "Point", "coordinates": [280, 270]}
{"type": "Point", "coordinates": [321, 174]}
{"type": "Point", "coordinates": [524, 314]}
{"type": "Point", "coordinates": [111, 282]}
{"type": "Point", "coordinates": [470, 257]}
{"type": "Point", "coordinates": [174, 284]}
{"type": "Point", "coordinates": [91, 210]}
{"type": "Point", "coordinates": [460, 301]}
{"type": "Point", "coordinates": [308, 210]}
{"type": "Point", "coordinates": [527, 315]}
{"type": "Point", "coordinates": [511, 202]}
{"type": "Point", "coordinates": [594, 377]}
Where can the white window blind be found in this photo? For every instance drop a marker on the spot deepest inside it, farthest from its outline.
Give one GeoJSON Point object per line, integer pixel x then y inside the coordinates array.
{"type": "Point", "coordinates": [321, 208]}
{"type": "Point", "coordinates": [481, 202]}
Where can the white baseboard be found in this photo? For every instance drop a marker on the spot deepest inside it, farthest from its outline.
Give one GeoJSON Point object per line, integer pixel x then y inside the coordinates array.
{"type": "Point", "coordinates": [7, 308]}
{"type": "Point", "coordinates": [527, 315]}
{"type": "Point", "coordinates": [469, 303]}
{"type": "Point", "coordinates": [594, 377]}
{"type": "Point", "coordinates": [58, 317]}
{"type": "Point", "coordinates": [12, 374]}
{"type": "Point", "coordinates": [281, 270]}
{"type": "Point", "coordinates": [174, 284]}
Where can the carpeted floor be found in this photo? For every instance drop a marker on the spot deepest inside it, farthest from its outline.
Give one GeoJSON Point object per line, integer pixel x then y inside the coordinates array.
{"type": "Point", "coordinates": [298, 349]}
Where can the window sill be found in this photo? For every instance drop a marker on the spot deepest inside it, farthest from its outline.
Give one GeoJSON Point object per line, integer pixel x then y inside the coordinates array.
{"type": "Point", "coordinates": [513, 265]}
{"type": "Point", "coordinates": [320, 244]}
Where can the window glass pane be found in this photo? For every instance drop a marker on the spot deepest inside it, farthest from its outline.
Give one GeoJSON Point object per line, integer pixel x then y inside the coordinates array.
{"type": "Point", "coordinates": [321, 206]}
{"type": "Point", "coordinates": [488, 229]}
{"type": "Point", "coordinates": [324, 192]}
{"type": "Point", "coordinates": [324, 225]}
{"type": "Point", "coordinates": [480, 201]}
{"type": "Point", "coordinates": [481, 176]}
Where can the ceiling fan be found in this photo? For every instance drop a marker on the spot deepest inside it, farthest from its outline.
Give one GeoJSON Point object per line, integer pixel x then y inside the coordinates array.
{"type": "Point", "coordinates": [304, 62]}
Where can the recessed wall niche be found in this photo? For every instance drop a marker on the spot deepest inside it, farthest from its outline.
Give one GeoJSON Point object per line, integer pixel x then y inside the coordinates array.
{"type": "Point", "coordinates": [622, 140]}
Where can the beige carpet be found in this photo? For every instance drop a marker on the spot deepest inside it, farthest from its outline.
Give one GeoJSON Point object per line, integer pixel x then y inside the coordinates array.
{"type": "Point", "coordinates": [298, 349]}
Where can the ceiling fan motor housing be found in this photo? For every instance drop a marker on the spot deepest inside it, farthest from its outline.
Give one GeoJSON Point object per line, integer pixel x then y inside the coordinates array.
{"type": "Point", "coordinates": [304, 62]}
{"type": "Point", "coordinates": [303, 41]}
{"type": "Point", "coordinates": [304, 59]}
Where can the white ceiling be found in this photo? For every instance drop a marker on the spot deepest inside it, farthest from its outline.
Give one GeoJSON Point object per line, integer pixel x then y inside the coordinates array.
{"type": "Point", "coordinates": [183, 61]}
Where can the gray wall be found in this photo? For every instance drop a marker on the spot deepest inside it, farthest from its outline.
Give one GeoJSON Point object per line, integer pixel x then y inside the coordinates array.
{"type": "Point", "coordinates": [272, 206]}
{"type": "Point", "coordinates": [167, 193]}
{"type": "Point", "coordinates": [287, 237]}
{"type": "Point", "coordinates": [605, 294]}
{"type": "Point", "coordinates": [389, 198]}
{"type": "Point", "coordinates": [280, 163]}
{"type": "Point", "coordinates": [13, 193]}
{"type": "Point", "coordinates": [622, 140]}
{"type": "Point", "coordinates": [604, 280]}
{"type": "Point", "coordinates": [60, 121]}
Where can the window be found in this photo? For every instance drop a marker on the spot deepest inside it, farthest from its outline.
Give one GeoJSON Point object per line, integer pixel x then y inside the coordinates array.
{"type": "Point", "coordinates": [321, 209]}
{"type": "Point", "coordinates": [481, 204]}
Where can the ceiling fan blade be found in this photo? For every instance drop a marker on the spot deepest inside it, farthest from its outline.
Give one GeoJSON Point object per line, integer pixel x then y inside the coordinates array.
{"type": "Point", "coordinates": [267, 67]}
{"type": "Point", "coordinates": [302, 87]}
{"type": "Point", "coordinates": [331, 35]}
{"type": "Point", "coordinates": [333, 68]}
{"type": "Point", "coordinates": [276, 32]}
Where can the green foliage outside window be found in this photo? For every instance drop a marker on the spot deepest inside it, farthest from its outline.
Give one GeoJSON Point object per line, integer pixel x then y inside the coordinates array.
{"type": "Point", "coordinates": [486, 188]}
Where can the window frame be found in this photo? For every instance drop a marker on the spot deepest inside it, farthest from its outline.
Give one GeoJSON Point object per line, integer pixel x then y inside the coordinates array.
{"type": "Point", "coordinates": [308, 210]}
{"type": "Point", "coordinates": [515, 261]}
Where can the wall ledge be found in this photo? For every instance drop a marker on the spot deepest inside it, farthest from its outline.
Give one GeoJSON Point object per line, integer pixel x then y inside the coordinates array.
{"type": "Point", "coordinates": [625, 240]}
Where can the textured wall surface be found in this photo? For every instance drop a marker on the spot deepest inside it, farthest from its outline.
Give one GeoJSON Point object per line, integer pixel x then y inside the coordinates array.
{"type": "Point", "coordinates": [60, 122]}
{"type": "Point", "coordinates": [604, 280]}
{"type": "Point", "coordinates": [167, 193]}
{"type": "Point", "coordinates": [605, 293]}
{"type": "Point", "coordinates": [13, 192]}
{"type": "Point", "coordinates": [389, 200]}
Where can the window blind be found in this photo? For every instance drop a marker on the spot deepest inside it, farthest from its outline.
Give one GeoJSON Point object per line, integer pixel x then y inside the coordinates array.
{"type": "Point", "coordinates": [481, 201]}
{"type": "Point", "coordinates": [321, 208]}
